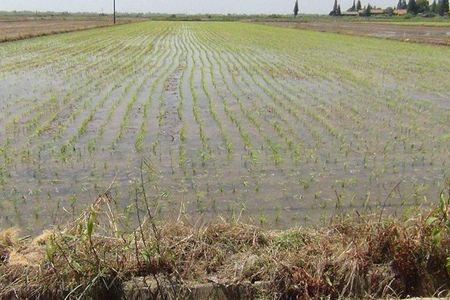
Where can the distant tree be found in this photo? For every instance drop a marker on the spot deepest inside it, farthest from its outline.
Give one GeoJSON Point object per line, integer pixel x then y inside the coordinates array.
{"type": "Point", "coordinates": [399, 4]}
{"type": "Point", "coordinates": [368, 10]}
{"type": "Point", "coordinates": [434, 7]}
{"type": "Point", "coordinates": [404, 5]}
{"type": "Point", "coordinates": [443, 7]}
{"type": "Point", "coordinates": [423, 6]}
{"type": "Point", "coordinates": [358, 5]}
{"type": "Point", "coordinates": [389, 11]}
{"type": "Point", "coordinates": [339, 13]}
{"type": "Point", "coordinates": [412, 7]}
{"type": "Point", "coordinates": [353, 8]}
{"type": "Point", "coordinates": [335, 6]}
{"type": "Point", "coordinates": [334, 12]}
{"type": "Point", "coordinates": [296, 8]}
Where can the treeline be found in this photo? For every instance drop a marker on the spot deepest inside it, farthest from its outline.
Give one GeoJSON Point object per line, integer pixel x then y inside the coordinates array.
{"type": "Point", "coordinates": [413, 7]}
{"type": "Point", "coordinates": [356, 8]}
{"type": "Point", "coordinates": [423, 6]}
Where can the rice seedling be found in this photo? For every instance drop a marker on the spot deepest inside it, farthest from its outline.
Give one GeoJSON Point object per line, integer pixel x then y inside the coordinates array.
{"type": "Point", "coordinates": [232, 116]}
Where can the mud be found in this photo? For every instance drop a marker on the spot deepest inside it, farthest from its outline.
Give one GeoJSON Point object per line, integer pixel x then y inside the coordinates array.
{"type": "Point", "coordinates": [439, 35]}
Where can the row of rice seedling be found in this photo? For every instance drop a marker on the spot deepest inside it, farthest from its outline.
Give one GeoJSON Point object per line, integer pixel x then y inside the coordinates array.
{"type": "Point", "coordinates": [285, 87]}
{"type": "Point", "coordinates": [63, 116]}
{"type": "Point", "coordinates": [67, 99]}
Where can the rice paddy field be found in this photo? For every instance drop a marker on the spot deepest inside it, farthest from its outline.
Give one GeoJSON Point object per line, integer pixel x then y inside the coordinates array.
{"type": "Point", "coordinates": [277, 125]}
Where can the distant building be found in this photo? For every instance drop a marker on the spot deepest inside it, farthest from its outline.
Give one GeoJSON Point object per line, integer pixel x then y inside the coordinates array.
{"type": "Point", "coordinates": [350, 13]}
{"type": "Point", "coordinates": [400, 12]}
{"type": "Point", "coordinates": [373, 12]}
{"type": "Point", "coordinates": [377, 11]}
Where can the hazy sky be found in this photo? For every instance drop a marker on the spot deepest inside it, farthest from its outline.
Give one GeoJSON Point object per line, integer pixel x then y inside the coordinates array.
{"type": "Point", "coordinates": [183, 6]}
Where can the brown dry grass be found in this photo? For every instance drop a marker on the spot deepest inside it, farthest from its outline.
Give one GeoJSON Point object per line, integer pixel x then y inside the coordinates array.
{"type": "Point", "coordinates": [18, 28]}
{"type": "Point", "coordinates": [353, 256]}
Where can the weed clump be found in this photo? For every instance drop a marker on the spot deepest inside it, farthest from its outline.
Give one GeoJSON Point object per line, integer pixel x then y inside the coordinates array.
{"type": "Point", "coordinates": [353, 256]}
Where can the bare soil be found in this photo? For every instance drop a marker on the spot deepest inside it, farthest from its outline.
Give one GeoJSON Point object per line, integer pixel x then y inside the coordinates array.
{"type": "Point", "coordinates": [17, 28]}
{"type": "Point", "coordinates": [439, 35]}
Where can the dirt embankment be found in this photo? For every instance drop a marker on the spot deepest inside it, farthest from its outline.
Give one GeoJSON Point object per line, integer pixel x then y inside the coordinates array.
{"type": "Point", "coordinates": [17, 28]}
{"type": "Point", "coordinates": [439, 35]}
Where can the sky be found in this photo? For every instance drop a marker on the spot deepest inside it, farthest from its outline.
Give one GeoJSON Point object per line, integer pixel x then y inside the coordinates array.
{"type": "Point", "coordinates": [183, 6]}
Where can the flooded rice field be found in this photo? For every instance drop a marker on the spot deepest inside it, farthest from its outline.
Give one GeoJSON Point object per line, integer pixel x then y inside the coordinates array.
{"type": "Point", "coordinates": [278, 125]}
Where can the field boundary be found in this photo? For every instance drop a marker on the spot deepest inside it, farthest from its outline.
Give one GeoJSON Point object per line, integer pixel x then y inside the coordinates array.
{"type": "Point", "coordinates": [389, 33]}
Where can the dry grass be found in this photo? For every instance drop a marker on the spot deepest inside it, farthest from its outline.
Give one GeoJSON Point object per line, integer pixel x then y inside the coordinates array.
{"type": "Point", "coordinates": [353, 256]}
{"type": "Point", "coordinates": [13, 29]}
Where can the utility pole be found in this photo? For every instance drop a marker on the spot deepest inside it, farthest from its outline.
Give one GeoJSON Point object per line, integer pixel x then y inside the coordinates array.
{"type": "Point", "coordinates": [114, 11]}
